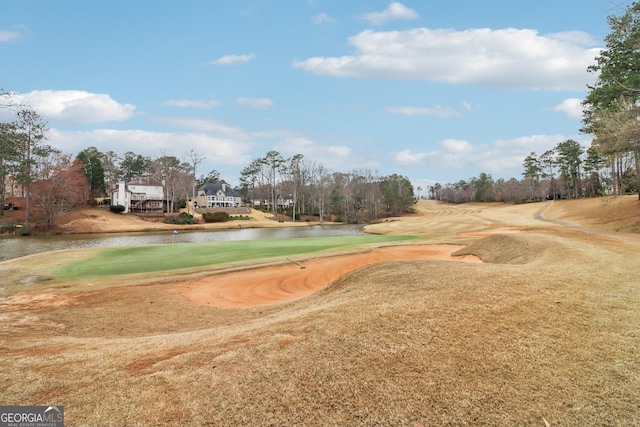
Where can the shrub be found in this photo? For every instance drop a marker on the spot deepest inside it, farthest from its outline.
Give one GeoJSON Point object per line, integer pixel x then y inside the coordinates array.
{"type": "Point", "coordinates": [182, 219]}
{"type": "Point", "coordinates": [117, 208]}
{"type": "Point", "coordinates": [24, 231]}
{"type": "Point", "coordinates": [215, 217]}
{"type": "Point", "coordinates": [7, 228]}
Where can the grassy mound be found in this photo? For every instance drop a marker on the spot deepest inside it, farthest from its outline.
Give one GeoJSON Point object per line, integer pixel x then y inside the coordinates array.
{"type": "Point", "coordinates": [507, 248]}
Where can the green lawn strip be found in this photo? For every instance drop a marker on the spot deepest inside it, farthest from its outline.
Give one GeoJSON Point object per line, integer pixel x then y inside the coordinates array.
{"type": "Point", "coordinates": [153, 258]}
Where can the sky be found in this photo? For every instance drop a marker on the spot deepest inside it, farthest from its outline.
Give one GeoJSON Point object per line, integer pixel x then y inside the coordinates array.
{"type": "Point", "coordinates": [437, 91]}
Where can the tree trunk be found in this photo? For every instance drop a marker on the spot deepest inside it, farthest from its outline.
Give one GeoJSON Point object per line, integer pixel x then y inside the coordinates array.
{"type": "Point", "coordinates": [619, 174]}
{"type": "Point", "coordinates": [636, 154]}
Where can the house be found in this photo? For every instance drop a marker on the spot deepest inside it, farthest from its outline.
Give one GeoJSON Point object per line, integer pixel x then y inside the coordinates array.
{"type": "Point", "coordinates": [282, 202]}
{"type": "Point", "coordinates": [218, 195]}
{"type": "Point", "coordinates": [141, 195]}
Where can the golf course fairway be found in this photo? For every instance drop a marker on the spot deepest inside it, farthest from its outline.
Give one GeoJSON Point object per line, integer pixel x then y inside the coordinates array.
{"type": "Point", "coordinates": [156, 258]}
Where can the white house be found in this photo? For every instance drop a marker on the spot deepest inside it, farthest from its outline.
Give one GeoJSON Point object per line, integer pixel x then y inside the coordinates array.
{"type": "Point", "coordinates": [218, 195]}
{"type": "Point", "coordinates": [141, 195]}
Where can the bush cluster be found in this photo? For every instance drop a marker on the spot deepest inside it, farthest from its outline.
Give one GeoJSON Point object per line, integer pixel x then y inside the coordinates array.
{"type": "Point", "coordinates": [117, 208]}
{"type": "Point", "coordinates": [215, 217]}
{"type": "Point", "coordinates": [182, 219]}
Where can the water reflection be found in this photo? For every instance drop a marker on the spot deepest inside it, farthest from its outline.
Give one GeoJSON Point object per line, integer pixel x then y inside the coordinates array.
{"type": "Point", "coordinates": [14, 247]}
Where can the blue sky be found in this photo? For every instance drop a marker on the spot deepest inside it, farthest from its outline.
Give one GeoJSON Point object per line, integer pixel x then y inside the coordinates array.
{"type": "Point", "coordinates": [432, 90]}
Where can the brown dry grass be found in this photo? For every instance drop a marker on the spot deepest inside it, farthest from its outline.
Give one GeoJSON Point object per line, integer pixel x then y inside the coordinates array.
{"type": "Point", "coordinates": [545, 329]}
{"type": "Point", "coordinates": [101, 220]}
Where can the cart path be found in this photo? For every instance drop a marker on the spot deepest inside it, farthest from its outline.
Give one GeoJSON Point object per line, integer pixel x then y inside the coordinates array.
{"type": "Point", "coordinates": [626, 237]}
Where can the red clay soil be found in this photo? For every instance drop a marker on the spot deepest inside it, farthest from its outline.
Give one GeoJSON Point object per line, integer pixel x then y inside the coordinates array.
{"type": "Point", "coordinates": [270, 285]}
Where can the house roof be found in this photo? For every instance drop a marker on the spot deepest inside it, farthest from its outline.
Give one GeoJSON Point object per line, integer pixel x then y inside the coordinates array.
{"type": "Point", "coordinates": [211, 189]}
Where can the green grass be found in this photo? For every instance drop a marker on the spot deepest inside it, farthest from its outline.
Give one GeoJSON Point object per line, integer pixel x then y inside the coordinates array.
{"type": "Point", "coordinates": [154, 258]}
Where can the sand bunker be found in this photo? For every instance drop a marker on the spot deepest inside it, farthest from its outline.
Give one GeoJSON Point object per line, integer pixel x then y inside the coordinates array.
{"type": "Point", "coordinates": [270, 285]}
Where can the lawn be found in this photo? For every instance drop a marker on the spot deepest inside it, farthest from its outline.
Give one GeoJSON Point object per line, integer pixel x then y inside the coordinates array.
{"type": "Point", "coordinates": [155, 258]}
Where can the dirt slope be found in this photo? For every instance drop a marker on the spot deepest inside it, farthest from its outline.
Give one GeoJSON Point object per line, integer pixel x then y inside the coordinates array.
{"type": "Point", "coordinates": [101, 220]}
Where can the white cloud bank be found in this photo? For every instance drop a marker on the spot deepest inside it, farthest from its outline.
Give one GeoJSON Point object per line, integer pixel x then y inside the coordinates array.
{"type": "Point", "coordinates": [338, 157]}
{"type": "Point", "coordinates": [225, 147]}
{"type": "Point", "coordinates": [513, 58]}
{"type": "Point", "coordinates": [500, 158]}
{"type": "Point", "coordinates": [75, 106]}
{"type": "Point", "coordinates": [218, 149]}
{"type": "Point", "coordinates": [394, 11]}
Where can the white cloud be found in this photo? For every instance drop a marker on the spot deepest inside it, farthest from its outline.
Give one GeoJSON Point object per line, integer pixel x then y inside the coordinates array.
{"type": "Point", "coordinates": [9, 35]}
{"type": "Point", "coordinates": [577, 37]}
{"type": "Point", "coordinates": [185, 103]}
{"type": "Point", "coordinates": [456, 146]}
{"type": "Point", "coordinates": [232, 59]}
{"type": "Point", "coordinates": [338, 151]}
{"type": "Point", "coordinates": [297, 144]}
{"type": "Point", "coordinates": [218, 149]}
{"type": "Point", "coordinates": [226, 147]}
{"type": "Point", "coordinates": [499, 158]}
{"type": "Point", "coordinates": [514, 58]}
{"type": "Point", "coordinates": [255, 103]}
{"type": "Point", "coordinates": [322, 18]}
{"type": "Point", "coordinates": [339, 157]}
{"type": "Point", "coordinates": [75, 106]}
{"type": "Point", "coordinates": [294, 145]}
{"type": "Point", "coordinates": [204, 125]}
{"type": "Point", "coordinates": [572, 107]}
{"type": "Point", "coordinates": [394, 11]}
{"type": "Point", "coordinates": [408, 157]}
{"type": "Point", "coordinates": [437, 111]}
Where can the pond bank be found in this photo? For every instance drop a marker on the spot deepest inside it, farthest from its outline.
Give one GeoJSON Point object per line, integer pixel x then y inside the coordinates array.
{"type": "Point", "coordinates": [101, 220]}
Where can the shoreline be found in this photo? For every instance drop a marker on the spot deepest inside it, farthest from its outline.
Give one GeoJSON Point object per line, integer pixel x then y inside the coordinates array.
{"type": "Point", "coordinates": [102, 221]}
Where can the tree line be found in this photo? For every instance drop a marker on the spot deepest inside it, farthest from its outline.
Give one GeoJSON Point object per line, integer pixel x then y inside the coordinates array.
{"type": "Point", "coordinates": [312, 189]}
{"type": "Point", "coordinates": [354, 196]}
{"type": "Point", "coordinates": [564, 172]}
{"type": "Point", "coordinates": [49, 182]}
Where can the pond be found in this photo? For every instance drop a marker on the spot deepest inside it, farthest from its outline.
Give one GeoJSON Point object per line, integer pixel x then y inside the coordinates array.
{"type": "Point", "coordinates": [18, 246]}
